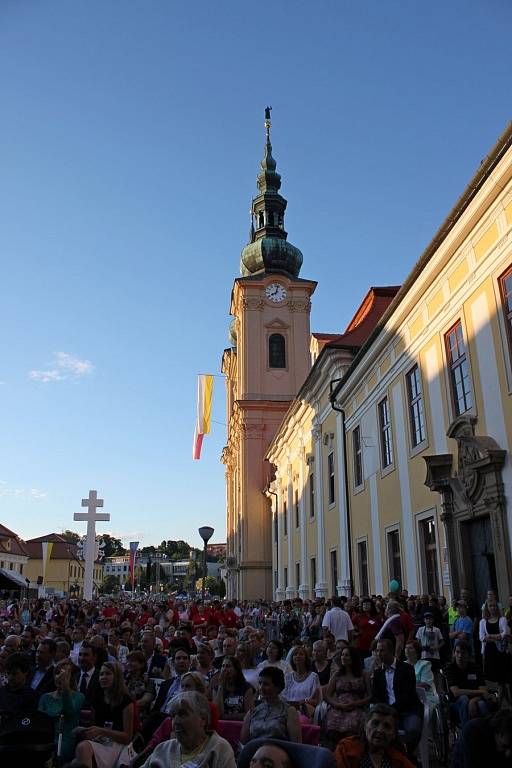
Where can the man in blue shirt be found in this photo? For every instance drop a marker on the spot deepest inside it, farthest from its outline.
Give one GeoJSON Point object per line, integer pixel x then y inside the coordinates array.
{"type": "Point", "coordinates": [462, 628]}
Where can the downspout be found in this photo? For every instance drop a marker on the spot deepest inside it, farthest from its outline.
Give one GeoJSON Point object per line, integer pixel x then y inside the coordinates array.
{"type": "Point", "coordinates": [268, 493]}
{"type": "Point", "coordinates": [345, 470]}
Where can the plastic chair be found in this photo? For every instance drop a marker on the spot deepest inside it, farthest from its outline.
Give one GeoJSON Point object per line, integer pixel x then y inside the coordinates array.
{"type": "Point", "coordinates": [301, 755]}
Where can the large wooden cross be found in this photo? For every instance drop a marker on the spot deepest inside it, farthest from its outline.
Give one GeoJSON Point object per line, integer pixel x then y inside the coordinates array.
{"type": "Point", "coordinates": [92, 517]}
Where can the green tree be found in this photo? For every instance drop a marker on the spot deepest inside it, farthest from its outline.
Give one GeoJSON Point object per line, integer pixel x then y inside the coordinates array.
{"type": "Point", "coordinates": [110, 585]}
{"type": "Point", "coordinates": [71, 536]}
{"type": "Point", "coordinates": [113, 546]}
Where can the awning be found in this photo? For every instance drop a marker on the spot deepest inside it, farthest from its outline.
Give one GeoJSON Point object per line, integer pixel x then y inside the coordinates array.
{"type": "Point", "coordinates": [17, 581]}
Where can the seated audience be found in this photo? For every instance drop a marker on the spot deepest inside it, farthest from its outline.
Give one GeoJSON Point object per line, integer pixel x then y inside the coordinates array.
{"type": "Point", "coordinates": [64, 701]}
{"type": "Point", "coordinates": [191, 681]}
{"type": "Point", "coordinates": [302, 686]}
{"type": "Point", "coordinates": [234, 696]}
{"type": "Point", "coordinates": [88, 682]}
{"type": "Point", "coordinates": [394, 683]}
{"type": "Point", "coordinates": [244, 655]}
{"type": "Point", "coordinates": [203, 661]}
{"type": "Point", "coordinates": [423, 671]}
{"type": "Point", "coordinates": [321, 664]}
{"type": "Point", "coordinates": [113, 718]}
{"type": "Point", "coordinates": [194, 743]}
{"type": "Point", "coordinates": [376, 746]}
{"type": "Point", "coordinates": [275, 650]}
{"type": "Point", "coordinates": [166, 693]}
{"type": "Point", "coordinates": [42, 678]}
{"type": "Point", "coordinates": [270, 756]}
{"type": "Point", "coordinates": [17, 696]}
{"type": "Point", "coordinates": [272, 718]}
{"type": "Point", "coordinates": [348, 693]}
{"type": "Point", "coordinates": [139, 687]}
{"type": "Point", "coordinates": [468, 694]}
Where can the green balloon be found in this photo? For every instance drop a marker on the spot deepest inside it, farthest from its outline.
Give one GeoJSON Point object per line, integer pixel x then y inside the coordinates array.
{"type": "Point", "coordinates": [394, 586]}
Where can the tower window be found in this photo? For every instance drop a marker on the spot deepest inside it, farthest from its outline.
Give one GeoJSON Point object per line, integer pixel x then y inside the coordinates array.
{"type": "Point", "coordinates": [276, 351]}
{"type": "Point", "coordinates": [261, 220]}
{"type": "Point", "coordinates": [270, 218]}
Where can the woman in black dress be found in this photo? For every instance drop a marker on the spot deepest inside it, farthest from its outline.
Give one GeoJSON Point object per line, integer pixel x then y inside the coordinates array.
{"type": "Point", "coordinates": [113, 718]}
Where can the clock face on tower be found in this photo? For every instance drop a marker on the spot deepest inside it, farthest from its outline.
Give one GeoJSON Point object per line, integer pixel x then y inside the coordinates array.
{"type": "Point", "coordinates": [275, 292]}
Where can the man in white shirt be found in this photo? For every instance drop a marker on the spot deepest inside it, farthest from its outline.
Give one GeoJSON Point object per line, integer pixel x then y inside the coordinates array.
{"type": "Point", "coordinates": [338, 622]}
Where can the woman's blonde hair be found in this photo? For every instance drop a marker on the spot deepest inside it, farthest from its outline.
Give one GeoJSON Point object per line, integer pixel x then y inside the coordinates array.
{"type": "Point", "coordinates": [115, 694]}
{"type": "Point", "coordinates": [197, 681]}
{"type": "Point", "coordinates": [74, 670]}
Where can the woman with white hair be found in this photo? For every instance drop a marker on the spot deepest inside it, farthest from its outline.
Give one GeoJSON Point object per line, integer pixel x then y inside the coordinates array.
{"type": "Point", "coordinates": [195, 744]}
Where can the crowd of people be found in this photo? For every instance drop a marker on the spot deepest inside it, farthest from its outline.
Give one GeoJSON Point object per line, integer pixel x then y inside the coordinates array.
{"type": "Point", "coordinates": [139, 682]}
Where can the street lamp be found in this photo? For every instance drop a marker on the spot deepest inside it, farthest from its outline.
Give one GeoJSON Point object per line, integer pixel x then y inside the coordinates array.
{"type": "Point", "coordinates": [206, 532]}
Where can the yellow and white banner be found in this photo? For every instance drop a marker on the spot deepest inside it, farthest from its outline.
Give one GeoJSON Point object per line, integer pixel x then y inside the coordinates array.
{"type": "Point", "coordinates": [204, 411]}
{"type": "Point", "coordinates": [47, 553]}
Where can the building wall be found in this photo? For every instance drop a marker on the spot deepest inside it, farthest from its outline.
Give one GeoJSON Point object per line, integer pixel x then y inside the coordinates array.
{"type": "Point", "coordinates": [460, 284]}
{"type": "Point", "coordinates": [392, 511]}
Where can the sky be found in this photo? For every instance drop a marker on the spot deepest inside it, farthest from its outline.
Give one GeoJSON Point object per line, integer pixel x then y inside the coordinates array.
{"type": "Point", "coordinates": [130, 139]}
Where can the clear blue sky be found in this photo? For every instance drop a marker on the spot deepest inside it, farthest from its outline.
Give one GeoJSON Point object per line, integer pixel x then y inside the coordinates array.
{"type": "Point", "coordinates": [130, 139]}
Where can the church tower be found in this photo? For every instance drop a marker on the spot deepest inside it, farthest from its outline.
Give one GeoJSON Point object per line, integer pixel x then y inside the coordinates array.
{"type": "Point", "coordinates": [265, 367]}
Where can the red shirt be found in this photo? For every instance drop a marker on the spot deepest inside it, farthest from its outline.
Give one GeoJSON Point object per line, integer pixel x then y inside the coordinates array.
{"type": "Point", "coordinates": [367, 626]}
{"type": "Point", "coordinates": [408, 625]}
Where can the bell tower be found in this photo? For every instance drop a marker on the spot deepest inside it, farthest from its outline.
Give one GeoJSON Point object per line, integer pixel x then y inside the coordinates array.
{"type": "Point", "coordinates": [265, 367]}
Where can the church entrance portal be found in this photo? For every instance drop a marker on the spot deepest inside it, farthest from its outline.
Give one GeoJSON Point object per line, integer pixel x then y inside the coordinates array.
{"type": "Point", "coordinates": [479, 557]}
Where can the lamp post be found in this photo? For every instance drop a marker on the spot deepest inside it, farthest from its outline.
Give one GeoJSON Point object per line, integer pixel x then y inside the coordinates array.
{"type": "Point", "coordinates": [206, 532]}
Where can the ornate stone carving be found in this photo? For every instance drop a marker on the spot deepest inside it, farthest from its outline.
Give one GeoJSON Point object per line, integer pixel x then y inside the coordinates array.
{"type": "Point", "coordinates": [300, 305]}
{"type": "Point", "coordinates": [253, 304]}
{"type": "Point", "coordinates": [478, 455]}
{"type": "Point", "coordinates": [316, 433]}
{"type": "Point", "coordinates": [474, 491]}
{"type": "Point", "coordinates": [253, 431]}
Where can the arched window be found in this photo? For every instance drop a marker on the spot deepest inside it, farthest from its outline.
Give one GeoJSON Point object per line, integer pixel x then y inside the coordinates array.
{"type": "Point", "coordinates": [276, 351]}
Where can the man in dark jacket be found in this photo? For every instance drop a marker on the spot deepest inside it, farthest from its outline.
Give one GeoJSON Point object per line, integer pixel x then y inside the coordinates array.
{"type": "Point", "coordinates": [89, 678]}
{"type": "Point", "coordinates": [168, 690]}
{"type": "Point", "coordinates": [42, 677]}
{"type": "Point", "coordinates": [155, 661]}
{"type": "Point", "coordinates": [394, 683]}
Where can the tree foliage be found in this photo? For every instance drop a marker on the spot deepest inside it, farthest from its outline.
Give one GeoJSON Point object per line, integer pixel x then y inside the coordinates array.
{"type": "Point", "coordinates": [112, 548]}
{"type": "Point", "coordinates": [110, 585]}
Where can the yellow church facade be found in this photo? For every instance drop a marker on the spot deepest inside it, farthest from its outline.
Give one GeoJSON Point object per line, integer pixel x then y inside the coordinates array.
{"type": "Point", "coordinates": [393, 458]}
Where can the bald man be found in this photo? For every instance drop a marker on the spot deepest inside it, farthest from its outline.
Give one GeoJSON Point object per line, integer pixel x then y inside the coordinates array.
{"type": "Point", "coordinates": [270, 756]}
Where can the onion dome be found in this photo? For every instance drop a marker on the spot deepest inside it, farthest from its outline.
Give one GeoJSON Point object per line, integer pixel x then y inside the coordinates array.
{"type": "Point", "coordinates": [268, 250]}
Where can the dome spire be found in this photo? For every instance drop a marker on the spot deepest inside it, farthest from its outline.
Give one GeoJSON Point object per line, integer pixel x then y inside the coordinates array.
{"type": "Point", "coordinates": [268, 249]}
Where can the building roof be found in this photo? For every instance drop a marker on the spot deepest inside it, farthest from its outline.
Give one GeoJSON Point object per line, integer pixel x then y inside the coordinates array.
{"type": "Point", "coordinates": [63, 548]}
{"type": "Point", "coordinates": [14, 578]}
{"type": "Point", "coordinates": [10, 542]}
{"type": "Point", "coordinates": [368, 314]}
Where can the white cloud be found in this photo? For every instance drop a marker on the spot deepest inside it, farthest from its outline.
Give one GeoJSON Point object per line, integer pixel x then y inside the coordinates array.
{"type": "Point", "coordinates": [65, 367]}
{"type": "Point", "coordinates": [20, 493]}
{"type": "Point", "coordinates": [45, 376]}
{"type": "Point", "coordinates": [74, 365]}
